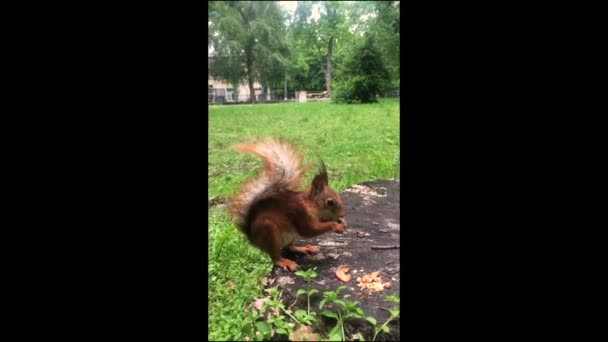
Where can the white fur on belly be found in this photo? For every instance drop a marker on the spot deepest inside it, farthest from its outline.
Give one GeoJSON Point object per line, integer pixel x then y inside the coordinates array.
{"type": "Point", "coordinates": [288, 237]}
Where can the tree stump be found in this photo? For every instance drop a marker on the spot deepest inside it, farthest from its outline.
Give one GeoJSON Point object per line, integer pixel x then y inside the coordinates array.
{"type": "Point", "coordinates": [373, 217]}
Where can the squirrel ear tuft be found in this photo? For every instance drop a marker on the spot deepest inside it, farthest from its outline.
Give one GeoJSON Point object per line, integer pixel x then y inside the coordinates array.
{"type": "Point", "coordinates": [318, 185]}
{"type": "Point", "coordinates": [320, 181]}
{"type": "Point", "coordinates": [323, 171]}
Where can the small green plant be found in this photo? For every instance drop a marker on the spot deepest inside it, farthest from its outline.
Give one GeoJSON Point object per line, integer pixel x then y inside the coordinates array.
{"type": "Point", "coordinates": [305, 332]}
{"type": "Point", "coordinates": [345, 310]}
{"type": "Point", "coordinates": [263, 330]}
{"type": "Point", "coordinates": [306, 317]}
{"type": "Point", "coordinates": [275, 303]}
{"type": "Point", "coordinates": [394, 311]}
{"type": "Point", "coordinates": [254, 329]}
{"type": "Point", "coordinates": [277, 322]}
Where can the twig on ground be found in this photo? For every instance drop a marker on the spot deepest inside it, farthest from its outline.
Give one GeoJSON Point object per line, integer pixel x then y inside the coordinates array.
{"type": "Point", "coordinates": [386, 247]}
{"type": "Point", "coordinates": [314, 281]}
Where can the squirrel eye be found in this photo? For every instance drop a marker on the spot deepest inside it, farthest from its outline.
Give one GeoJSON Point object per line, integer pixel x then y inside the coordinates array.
{"type": "Point", "coordinates": [330, 202]}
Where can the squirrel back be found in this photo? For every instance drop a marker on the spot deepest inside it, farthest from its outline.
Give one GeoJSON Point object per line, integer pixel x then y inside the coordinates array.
{"type": "Point", "coordinates": [281, 170]}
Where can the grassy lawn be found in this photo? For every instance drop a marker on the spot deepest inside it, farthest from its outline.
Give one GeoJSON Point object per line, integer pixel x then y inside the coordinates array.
{"type": "Point", "coordinates": [357, 143]}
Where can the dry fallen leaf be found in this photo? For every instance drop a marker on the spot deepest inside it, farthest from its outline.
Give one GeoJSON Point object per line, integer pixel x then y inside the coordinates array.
{"type": "Point", "coordinates": [303, 333]}
{"type": "Point", "coordinates": [341, 274]}
{"type": "Point", "coordinates": [257, 304]}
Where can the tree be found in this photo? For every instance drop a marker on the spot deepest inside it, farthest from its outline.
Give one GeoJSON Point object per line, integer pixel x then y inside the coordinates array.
{"type": "Point", "coordinates": [248, 37]}
{"type": "Point", "coordinates": [272, 63]}
{"type": "Point", "coordinates": [229, 69]}
{"type": "Point", "coordinates": [363, 75]}
{"type": "Point", "coordinates": [382, 23]}
{"type": "Point", "coordinates": [323, 34]}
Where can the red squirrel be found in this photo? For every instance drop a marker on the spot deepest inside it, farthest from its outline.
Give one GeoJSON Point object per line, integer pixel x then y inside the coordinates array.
{"type": "Point", "coordinates": [272, 210]}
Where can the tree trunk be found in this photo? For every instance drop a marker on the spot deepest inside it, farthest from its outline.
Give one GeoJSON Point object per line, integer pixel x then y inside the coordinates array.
{"type": "Point", "coordinates": [250, 78]}
{"type": "Point", "coordinates": [328, 71]}
{"type": "Point", "coordinates": [285, 88]}
{"type": "Point", "coordinates": [320, 56]}
{"type": "Point", "coordinates": [251, 90]}
{"type": "Point", "coordinates": [248, 53]}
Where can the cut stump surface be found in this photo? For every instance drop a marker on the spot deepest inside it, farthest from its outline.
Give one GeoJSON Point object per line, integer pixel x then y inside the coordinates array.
{"type": "Point", "coordinates": [371, 208]}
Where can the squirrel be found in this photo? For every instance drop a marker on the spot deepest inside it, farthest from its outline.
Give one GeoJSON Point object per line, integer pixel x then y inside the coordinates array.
{"type": "Point", "coordinates": [272, 210]}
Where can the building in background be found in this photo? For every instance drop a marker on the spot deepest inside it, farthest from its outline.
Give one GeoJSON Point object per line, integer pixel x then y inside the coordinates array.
{"type": "Point", "coordinates": [219, 92]}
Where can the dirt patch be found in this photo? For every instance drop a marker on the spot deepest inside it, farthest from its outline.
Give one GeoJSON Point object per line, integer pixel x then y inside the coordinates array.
{"type": "Point", "coordinates": [374, 220]}
{"type": "Point", "coordinates": [217, 201]}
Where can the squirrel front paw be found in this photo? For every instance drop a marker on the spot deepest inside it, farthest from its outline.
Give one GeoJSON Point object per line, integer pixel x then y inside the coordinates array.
{"type": "Point", "coordinates": [340, 226]}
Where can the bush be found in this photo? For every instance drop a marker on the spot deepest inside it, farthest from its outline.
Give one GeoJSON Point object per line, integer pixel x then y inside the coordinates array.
{"type": "Point", "coordinates": [362, 77]}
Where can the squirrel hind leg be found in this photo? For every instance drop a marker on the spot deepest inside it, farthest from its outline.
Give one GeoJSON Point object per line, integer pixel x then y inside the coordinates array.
{"type": "Point", "coordinates": [266, 235]}
{"type": "Point", "coordinates": [308, 249]}
{"type": "Point", "coordinates": [285, 264]}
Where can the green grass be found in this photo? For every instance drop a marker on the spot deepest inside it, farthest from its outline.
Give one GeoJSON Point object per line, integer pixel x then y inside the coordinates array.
{"type": "Point", "coordinates": [357, 142]}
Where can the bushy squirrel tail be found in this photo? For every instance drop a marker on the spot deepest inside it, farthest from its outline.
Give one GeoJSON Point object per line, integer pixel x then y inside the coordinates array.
{"type": "Point", "coordinates": [281, 170]}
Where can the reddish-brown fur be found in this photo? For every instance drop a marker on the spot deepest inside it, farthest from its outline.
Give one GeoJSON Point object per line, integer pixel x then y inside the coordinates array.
{"type": "Point", "coordinates": [271, 211]}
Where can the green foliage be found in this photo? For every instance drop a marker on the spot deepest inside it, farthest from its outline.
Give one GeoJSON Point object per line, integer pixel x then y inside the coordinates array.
{"type": "Point", "coordinates": [383, 25]}
{"type": "Point", "coordinates": [273, 318]}
{"type": "Point", "coordinates": [307, 274]}
{"type": "Point", "coordinates": [298, 71]}
{"type": "Point", "coordinates": [385, 30]}
{"type": "Point", "coordinates": [297, 49]}
{"type": "Point", "coordinates": [362, 77]}
{"type": "Point", "coordinates": [345, 309]}
{"type": "Point", "coordinates": [394, 314]}
{"type": "Point", "coordinates": [228, 69]}
{"type": "Point", "coordinates": [315, 42]}
{"type": "Point", "coordinates": [249, 40]}
{"type": "Point", "coordinates": [309, 317]}
{"type": "Point", "coordinates": [234, 270]}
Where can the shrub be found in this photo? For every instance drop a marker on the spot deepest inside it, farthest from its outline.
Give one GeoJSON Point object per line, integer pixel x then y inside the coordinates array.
{"type": "Point", "coordinates": [362, 77]}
